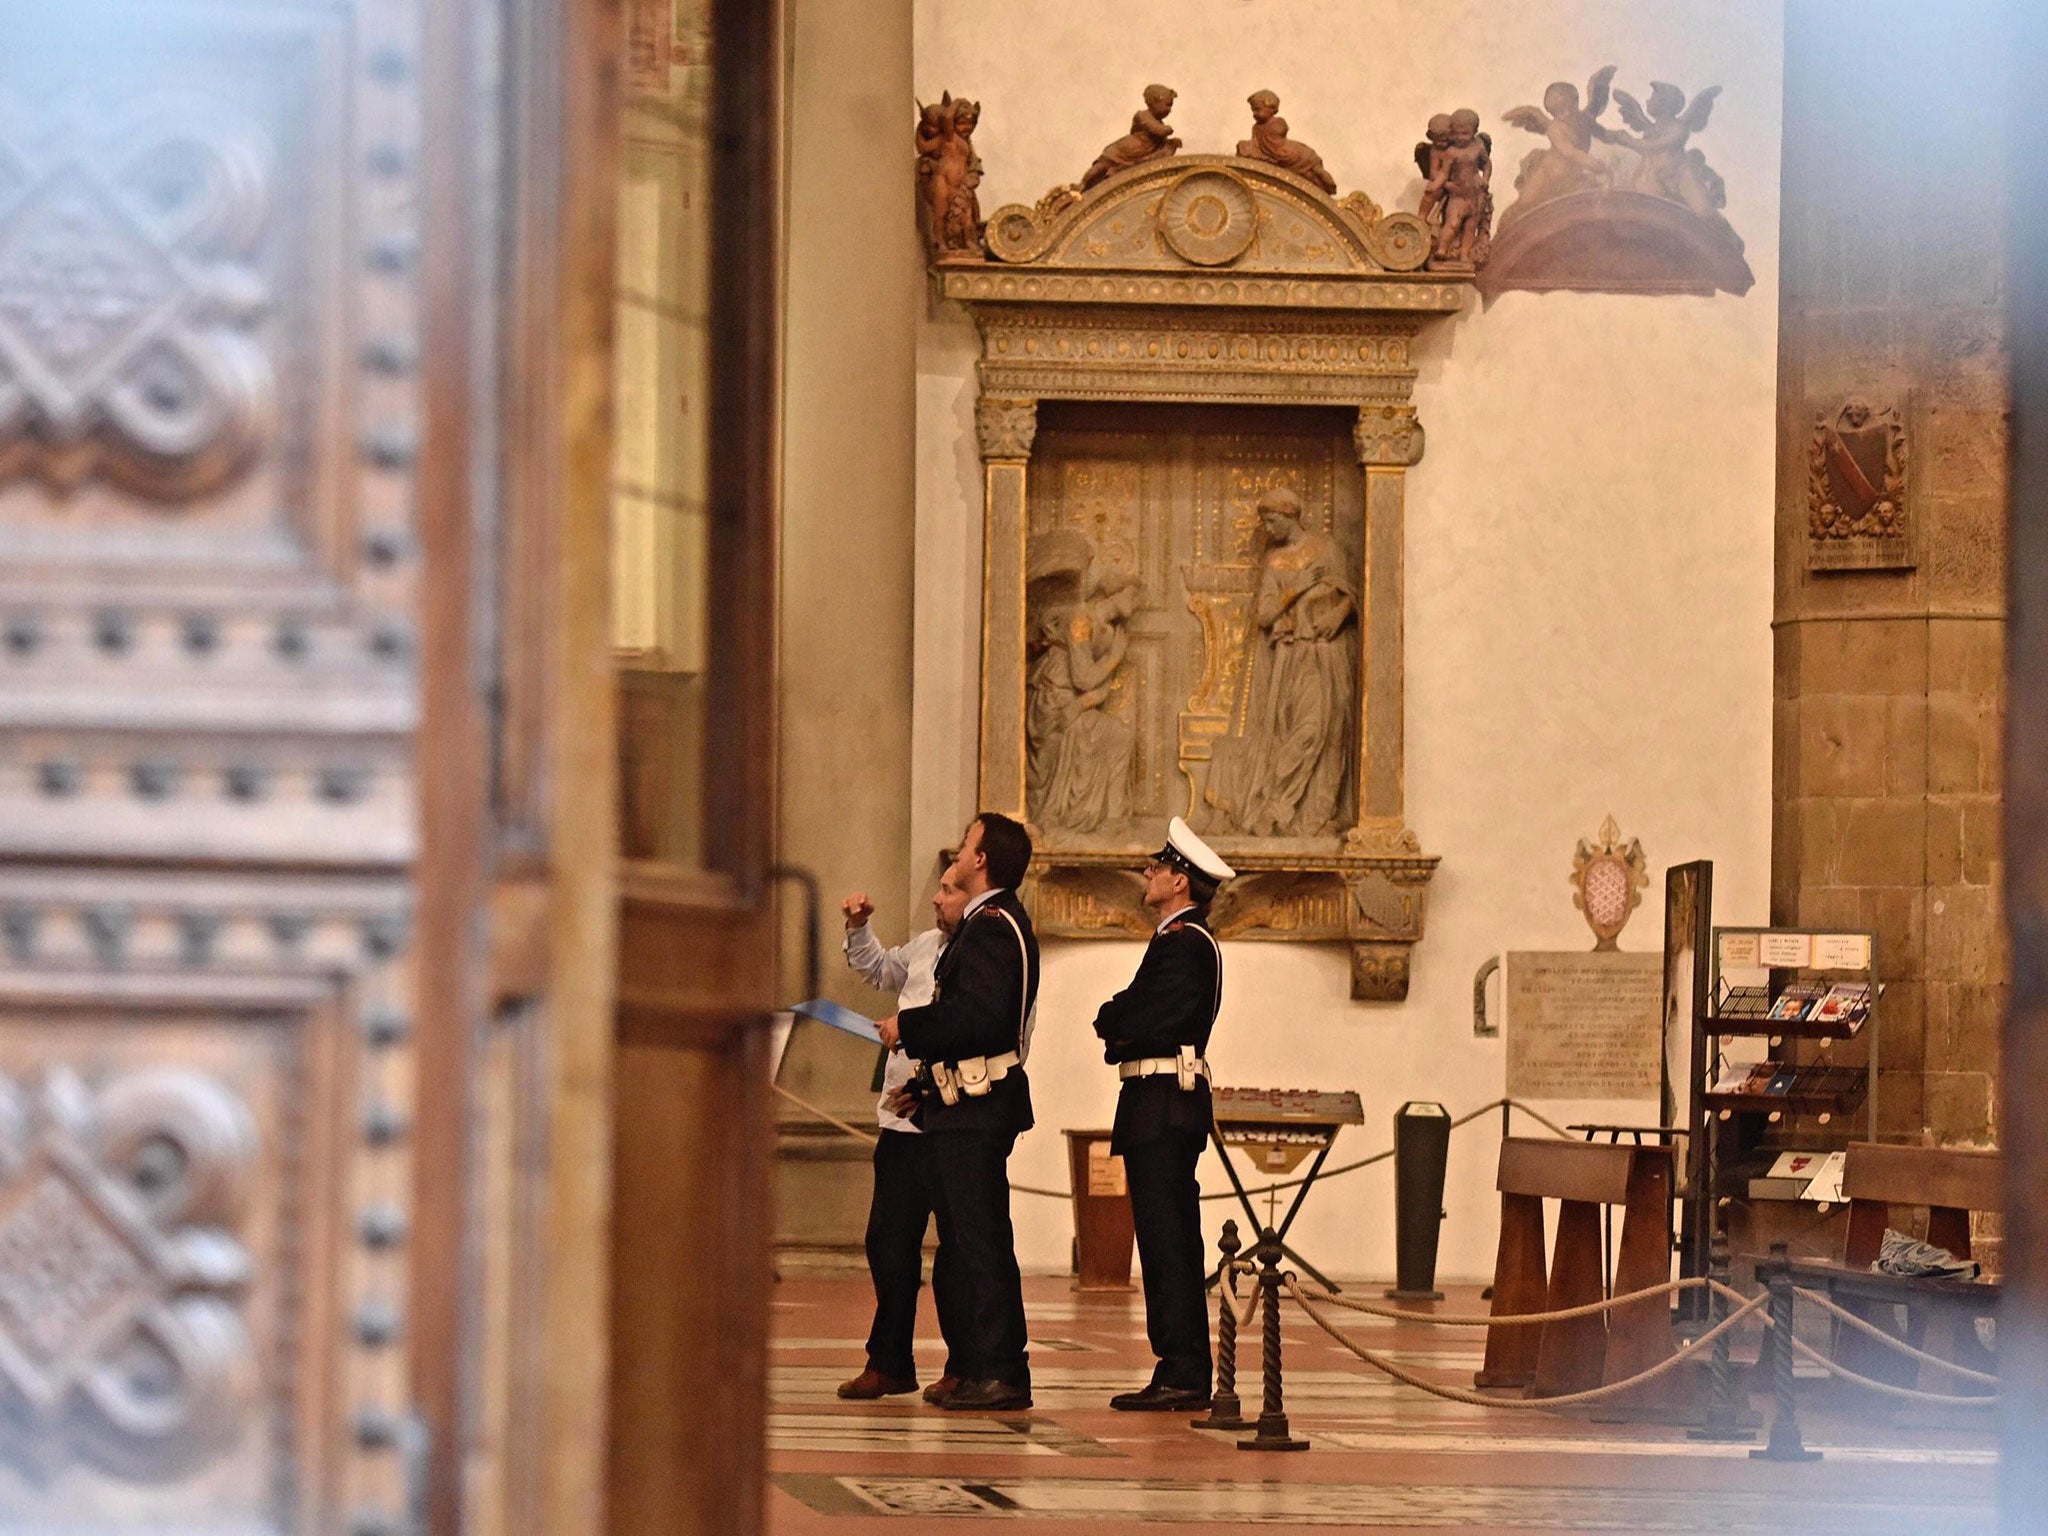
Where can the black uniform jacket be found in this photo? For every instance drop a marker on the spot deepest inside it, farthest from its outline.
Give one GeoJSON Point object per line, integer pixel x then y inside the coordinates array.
{"type": "Point", "coordinates": [983, 986]}
{"type": "Point", "coordinates": [1171, 1002]}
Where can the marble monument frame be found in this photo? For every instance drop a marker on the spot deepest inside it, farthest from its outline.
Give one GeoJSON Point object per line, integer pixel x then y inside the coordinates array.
{"type": "Point", "coordinates": [1212, 279]}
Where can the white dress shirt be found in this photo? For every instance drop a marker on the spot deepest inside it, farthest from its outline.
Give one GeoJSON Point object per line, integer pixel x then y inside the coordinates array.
{"type": "Point", "coordinates": [906, 970]}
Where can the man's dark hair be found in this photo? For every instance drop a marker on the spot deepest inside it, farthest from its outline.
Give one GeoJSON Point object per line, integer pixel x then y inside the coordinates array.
{"type": "Point", "coordinates": [1006, 846]}
{"type": "Point", "coordinates": [1201, 891]}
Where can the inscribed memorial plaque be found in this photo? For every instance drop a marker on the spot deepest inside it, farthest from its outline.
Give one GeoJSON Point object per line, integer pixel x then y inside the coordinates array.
{"type": "Point", "coordinates": [1584, 1026]}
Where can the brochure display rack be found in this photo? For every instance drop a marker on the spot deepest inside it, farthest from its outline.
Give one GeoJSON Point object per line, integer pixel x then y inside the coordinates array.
{"type": "Point", "coordinates": [1766, 1117]}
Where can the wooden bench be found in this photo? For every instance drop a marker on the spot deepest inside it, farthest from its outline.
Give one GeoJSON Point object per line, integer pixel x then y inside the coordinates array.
{"type": "Point", "coordinates": [1570, 1356]}
{"type": "Point", "coordinates": [1941, 1315]}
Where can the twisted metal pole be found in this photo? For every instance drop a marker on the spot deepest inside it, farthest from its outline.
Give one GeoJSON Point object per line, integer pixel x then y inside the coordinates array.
{"type": "Point", "coordinates": [1272, 1435]}
{"type": "Point", "coordinates": [1725, 1411]}
{"type": "Point", "coordinates": [1784, 1444]}
{"type": "Point", "coordinates": [1225, 1410]}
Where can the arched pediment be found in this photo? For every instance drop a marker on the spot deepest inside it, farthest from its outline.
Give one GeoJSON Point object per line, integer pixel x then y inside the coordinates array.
{"type": "Point", "coordinates": [1194, 213]}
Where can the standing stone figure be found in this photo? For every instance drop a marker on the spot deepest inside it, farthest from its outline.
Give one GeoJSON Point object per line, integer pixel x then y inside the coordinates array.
{"type": "Point", "coordinates": [1148, 139]}
{"type": "Point", "coordinates": [1078, 754]}
{"type": "Point", "coordinates": [1286, 775]}
{"type": "Point", "coordinates": [1460, 192]}
{"type": "Point", "coordinates": [949, 172]}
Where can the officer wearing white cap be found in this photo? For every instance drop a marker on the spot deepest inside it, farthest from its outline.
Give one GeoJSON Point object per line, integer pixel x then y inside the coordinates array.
{"type": "Point", "coordinates": [1154, 1032]}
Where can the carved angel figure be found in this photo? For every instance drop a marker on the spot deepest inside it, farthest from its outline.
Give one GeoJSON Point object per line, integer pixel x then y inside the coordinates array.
{"type": "Point", "coordinates": [1269, 142]}
{"type": "Point", "coordinates": [1285, 776]}
{"type": "Point", "coordinates": [1667, 168]}
{"type": "Point", "coordinates": [949, 172]}
{"type": "Point", "coordinates": [1429, 159]}
{"type": "Point", "coordinates": [1568, 164]}
{"type": "Point", "coordinates": [1459, 192]}
{"type": "Point", "coordinates": [1078, 754]}
{"type": "Point", "coordinates": [1148, 139]}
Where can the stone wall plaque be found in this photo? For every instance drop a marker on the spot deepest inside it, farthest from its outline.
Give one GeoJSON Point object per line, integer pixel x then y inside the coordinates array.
{"type": "Point", "coordinates": [1858, 515]}
{"type": "Point", "coordinates": [1584, 1026]}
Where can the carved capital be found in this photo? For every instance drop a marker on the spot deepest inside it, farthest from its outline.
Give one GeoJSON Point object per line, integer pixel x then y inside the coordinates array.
{"type": "Point", "coordinates": [1007, 427]}
{"type": "Point", "coordinates": [1388, 435]}
{"type": "Point", "coordinates": [1379, 973]}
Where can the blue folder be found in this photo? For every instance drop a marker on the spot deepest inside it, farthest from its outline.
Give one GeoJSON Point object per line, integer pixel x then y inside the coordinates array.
{"type": "Point", "coordinates": [826, 1011]}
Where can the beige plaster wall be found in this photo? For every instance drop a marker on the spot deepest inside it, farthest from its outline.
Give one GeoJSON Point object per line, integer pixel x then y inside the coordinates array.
{"type": "Point", "coordinates": [1589, 540]}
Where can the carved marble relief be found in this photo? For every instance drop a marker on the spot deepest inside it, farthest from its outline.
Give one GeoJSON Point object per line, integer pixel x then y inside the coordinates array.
{"type": "Point", "coordinates": [1194, 424]}
{"type": "Point", "coordinates": [1856, 494]}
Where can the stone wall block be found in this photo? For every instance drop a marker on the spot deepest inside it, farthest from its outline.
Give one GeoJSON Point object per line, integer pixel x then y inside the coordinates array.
{"type": "Point", "coordinates": [1883, 842]}
{"type": "Point", "coordinates": [1875, 656]}
{"type": "Point", "coordinates": [1982, 846]}
{"type": "Point", "coordinates": [1842, 743]}
{"type": "Point", "coordinates": [1898, 917]}
{"type": "Point", "coordinates": [1961, 942]}
{"type": "Point", "coordinates": [1945, 840]}
{"type": "Point", "coordinates": [1907, 1044]}
{"type": "Point", "coordinates": [1819, 839]}
{"type": "Point", "coordinates": [1901, 1104]}
{"type": "Point", "coordinates": [1955, 756]}
{"type": "Point", "coordinates": [1959, 1108]}
{"type": "Point", "coordinates": [1830, 906]}
{"type": "Point", "coordinates": [1905, 750]}
{"type": "Point", "coordinates": [1966, 656]}
{"type": "Point", "coordinates": [1962, 547]}
{"type": "Point", "coordinates": [1972, 1026]}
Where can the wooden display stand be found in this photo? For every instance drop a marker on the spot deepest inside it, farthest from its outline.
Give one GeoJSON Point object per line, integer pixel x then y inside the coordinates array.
{"type": "Point", "coordinates": [1579, 1353]}
{"type": "Point", "coordinates": [1103, 1237]}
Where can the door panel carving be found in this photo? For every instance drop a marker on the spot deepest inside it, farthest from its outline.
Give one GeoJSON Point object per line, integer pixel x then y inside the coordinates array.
{"type": "Point", "coordinates": [210, 685]}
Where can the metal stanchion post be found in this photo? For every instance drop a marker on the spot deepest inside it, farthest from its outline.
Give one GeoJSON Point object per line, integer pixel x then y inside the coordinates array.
{"type": "Point", "coordinates": [1225, 1411]}
{"type": "Point", "coordinates": [1272, 1435]}
{"type": "Point", "coordinates": [1784, 1444]}
{"type": "Point", "coordinates": [1724, 1413]}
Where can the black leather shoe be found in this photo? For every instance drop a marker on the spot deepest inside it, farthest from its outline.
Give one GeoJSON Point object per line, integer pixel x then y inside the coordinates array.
{"type": "Point", "coordinates": [1161, 1399]}
{"type": "Point", "coordinates": [986, 1397]}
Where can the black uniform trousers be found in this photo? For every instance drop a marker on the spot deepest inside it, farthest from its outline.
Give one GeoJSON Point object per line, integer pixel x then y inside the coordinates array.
{"type": "Point", "coordinates": [898, 1213]}
{"type": "Point", "coordinates": [971, 1186]}
{"type": "Point", "coordinates": [1166, 1212]}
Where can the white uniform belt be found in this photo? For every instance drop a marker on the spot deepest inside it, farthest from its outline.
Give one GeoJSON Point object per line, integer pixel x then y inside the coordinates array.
{"type": "Point", "coordinates": [972, 1076]}
{"type": "Point", "coordinates": [1159, 1066]}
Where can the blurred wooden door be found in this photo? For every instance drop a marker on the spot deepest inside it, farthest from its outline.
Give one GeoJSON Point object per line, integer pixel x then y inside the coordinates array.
{"type": "Point", "coordinates": [245, 790]}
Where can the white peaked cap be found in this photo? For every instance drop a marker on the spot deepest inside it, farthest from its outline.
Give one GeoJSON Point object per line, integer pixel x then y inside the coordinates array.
{"type": "Point", "coordinates": [1184, 848]}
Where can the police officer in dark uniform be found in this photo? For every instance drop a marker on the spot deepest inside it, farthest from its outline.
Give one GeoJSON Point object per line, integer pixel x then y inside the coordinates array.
{"type": "Point", "coordinates": [1154, 1032]}
{"type": "Point", "coordinates": [974, 1103]}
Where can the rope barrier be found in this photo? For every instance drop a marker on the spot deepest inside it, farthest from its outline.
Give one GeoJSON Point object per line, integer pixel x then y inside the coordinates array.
{"type": "Point", "coordinates": [1480, 1400]}
{"type": "Point", "coordinates": [1480, 1320]}
{"type": "Point", "coordinates": [869, 1139]}
{"type": "Point", "coordinates": [1828, 1304]}
{"type": "Point", "coordinates": [1885, 1387]}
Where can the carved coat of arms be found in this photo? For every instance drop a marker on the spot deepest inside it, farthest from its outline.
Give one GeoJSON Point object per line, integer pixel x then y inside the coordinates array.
{"type": "Point", "coordinates": [1856, 487]}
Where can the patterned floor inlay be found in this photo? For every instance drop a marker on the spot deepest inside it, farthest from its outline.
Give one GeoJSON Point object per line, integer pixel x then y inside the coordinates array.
{"type": "Point", "coordinates": [856, 1349]}
{"type": "Point", "coordinates": [1420, 1443]}
{"type": "Point", "coordinates": [1372, 1506]}
{"type": "Point", "coordinates": [936, 1434]}
{"type": "Point", "coordinates": [1059, 1387]}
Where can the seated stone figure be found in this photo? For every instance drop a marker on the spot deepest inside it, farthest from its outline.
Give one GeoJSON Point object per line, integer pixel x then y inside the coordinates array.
{"type": "Point", "coordinates": [1269, 142]}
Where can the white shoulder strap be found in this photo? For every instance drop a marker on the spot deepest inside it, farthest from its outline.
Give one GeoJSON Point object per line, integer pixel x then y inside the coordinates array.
{"type": "Point", "coordinates": [1217, 1011]}
{"type": "Point", "coordinates": [1024, 982]}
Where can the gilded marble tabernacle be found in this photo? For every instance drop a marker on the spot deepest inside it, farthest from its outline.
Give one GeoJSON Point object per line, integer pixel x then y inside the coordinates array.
{"type": "Point", "coordinates": [1195, 428]}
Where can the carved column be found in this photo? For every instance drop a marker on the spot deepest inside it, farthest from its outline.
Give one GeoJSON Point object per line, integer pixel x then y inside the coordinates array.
{"type": "Point", "coordinates": [1006, 426]}
{"type": "Point", "coordinates": [1385, 907]}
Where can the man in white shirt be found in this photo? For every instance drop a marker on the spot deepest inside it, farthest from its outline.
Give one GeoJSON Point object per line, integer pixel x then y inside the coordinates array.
{"type": "Point", "coordinates": [902, 1203]}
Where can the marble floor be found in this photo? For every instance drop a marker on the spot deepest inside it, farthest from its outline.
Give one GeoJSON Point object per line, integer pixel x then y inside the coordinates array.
{"type": "Point", "coordinates": [1383, 1457]}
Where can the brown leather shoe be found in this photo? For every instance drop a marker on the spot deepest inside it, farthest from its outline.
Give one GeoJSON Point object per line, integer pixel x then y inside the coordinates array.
{"type": "Point", "coordinates": [989, 1396]}
{"type": "Point", "coordinates": [872, 1383]}
{"type": "Point", "coordinates": [941, 1389]}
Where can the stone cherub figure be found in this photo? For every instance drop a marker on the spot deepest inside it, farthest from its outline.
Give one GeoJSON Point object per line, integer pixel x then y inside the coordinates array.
{"type": "Point", "coordinates": [1269, 142]}
{"type": "Point", "coordinates": [1667, 168]}
{"type": "Point", "coordinates": [1149, 139]}
{"type": "Point", "coordinates": [949, 174]}
{"type": "Point", "coordinates": [1458, 189]}
{"type": "Point", "coordinates": [1568, 163]}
